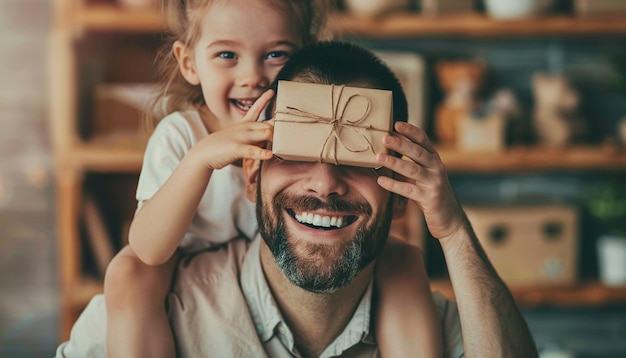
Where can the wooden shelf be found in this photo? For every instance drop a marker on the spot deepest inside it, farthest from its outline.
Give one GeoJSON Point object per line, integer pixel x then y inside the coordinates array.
{"type": "Point", "coordinates": [124, 153]}
{"type": "Point", "coordinates": [521, 159]}
{"type": "Point", "coordinates": [586, 294]}
{"type": "Point", "coordinates": [116, 19]}
{"type": "Point", "coordinates": [113, 18]}
{"type": "Point", "coordinates": [104, 157]}
{"type": "Point", "coordinates": [416, 25]}
{"type": "Point", "coordinates": [82, 292]}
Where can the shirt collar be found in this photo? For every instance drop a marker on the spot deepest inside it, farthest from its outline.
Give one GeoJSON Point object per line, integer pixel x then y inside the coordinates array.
{"type": "Point", "coordinates": [269, 322]}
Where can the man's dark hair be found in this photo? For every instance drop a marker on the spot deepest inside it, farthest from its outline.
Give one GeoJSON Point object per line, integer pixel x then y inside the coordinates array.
{"type": "Point", "coordinates": [342, 63]}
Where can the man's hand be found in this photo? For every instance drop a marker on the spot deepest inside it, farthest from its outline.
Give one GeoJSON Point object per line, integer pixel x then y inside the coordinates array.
{"type": "Point", "coordinates": [491, 323]}
{"type": "Point", "coordinates": [423, 178]}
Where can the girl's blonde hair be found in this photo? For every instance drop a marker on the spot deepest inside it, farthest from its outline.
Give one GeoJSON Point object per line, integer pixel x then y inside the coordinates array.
{"type": "Point", "coordinates": [184, 20]}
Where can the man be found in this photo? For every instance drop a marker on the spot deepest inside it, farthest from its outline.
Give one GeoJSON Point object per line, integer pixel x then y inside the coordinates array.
{"type": "Point", "coordinates": [305, 289]}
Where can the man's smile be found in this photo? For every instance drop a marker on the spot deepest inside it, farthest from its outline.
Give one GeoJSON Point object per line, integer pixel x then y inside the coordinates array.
{"type": "Point", "coordinates": [322, 222]}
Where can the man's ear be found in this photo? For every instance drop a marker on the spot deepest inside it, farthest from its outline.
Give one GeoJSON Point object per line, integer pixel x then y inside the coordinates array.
{"type": "Point", "coordinates": [251, 169]}
{"type": "Point", "coordinates": [186, 63]}
{"type": "Point", "coordinates": [399, 206]}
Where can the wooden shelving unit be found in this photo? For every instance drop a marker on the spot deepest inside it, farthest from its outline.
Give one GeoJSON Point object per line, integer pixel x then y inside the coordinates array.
{"type": "Point", "coordinates": [416, 25]}
{"type": "Point", "coordinates": [76, 157]}
{"type": "Point", "coordinates": [517, 159]}
{"type": "Point", "coordinates": [101, 157]}
{"type": "Point", "coordinates": [584, 294]}
{"type": "Point", "coordinates": [112, 18]}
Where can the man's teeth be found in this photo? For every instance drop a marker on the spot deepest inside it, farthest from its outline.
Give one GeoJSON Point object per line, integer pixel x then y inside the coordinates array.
{"type": "Point", "coordinates": [318, 220]}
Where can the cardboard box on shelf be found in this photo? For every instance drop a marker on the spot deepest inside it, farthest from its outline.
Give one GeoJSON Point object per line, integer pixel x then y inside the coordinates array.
{"type": "Point", "coordinates": [529, 245]}
{"type": "Point", "coordinates": [600, 7]}
{"type": "Point", "coordinates": [119, 112]}
{"type": "Point", "coordinates": [483, 134]}
{"type": "Point", "coordinates": [446, 7]}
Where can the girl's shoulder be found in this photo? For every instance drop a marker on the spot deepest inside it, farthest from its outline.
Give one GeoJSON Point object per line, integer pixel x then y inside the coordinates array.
{"type": "Point", "coordinates": [189, 119]}
{"type": "Point", "coordinates": [179, 129]}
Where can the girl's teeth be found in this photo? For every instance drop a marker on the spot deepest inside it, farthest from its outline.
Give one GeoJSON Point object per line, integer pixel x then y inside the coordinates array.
{"type": "Point", "coordinates": [245, 105]}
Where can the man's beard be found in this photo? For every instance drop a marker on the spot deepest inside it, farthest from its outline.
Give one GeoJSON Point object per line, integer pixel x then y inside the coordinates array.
{"type": "Point", "coordinates": [298, 263]}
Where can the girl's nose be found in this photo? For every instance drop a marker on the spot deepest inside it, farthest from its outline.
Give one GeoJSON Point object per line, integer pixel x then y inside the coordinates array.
{"type": "Point", "coordinates": [252, 75]}
{"type": "Point", "coordinates": [325, 180]}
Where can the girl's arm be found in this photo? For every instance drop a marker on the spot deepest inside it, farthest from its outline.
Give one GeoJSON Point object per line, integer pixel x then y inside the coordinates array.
{"type": "Point", "coordinates": [159, 226]}
{"type": "Point", "coordinates": [407, 323]}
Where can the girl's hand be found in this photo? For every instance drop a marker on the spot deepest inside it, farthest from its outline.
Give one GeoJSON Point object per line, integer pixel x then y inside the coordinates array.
{"type": "Point", "coordinates": [423, 179]}
{"type": "Point", "coordinates": [242, 140]}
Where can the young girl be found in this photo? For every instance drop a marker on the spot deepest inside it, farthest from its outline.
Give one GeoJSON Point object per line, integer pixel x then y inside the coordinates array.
{"type": "Point", "coordinates": [190, 195]}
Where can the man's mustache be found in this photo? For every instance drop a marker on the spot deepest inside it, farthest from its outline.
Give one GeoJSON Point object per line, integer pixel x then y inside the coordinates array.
{"type": "Point", "coordinates": [310, 203]}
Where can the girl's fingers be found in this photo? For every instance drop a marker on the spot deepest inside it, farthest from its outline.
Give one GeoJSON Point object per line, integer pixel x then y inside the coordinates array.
{"type": "Point", "coordinates": [261, 135]}
{"type": "Point", "coordinates": [255, 152]}
{"type": "Point", "coordinates": [257, 108]}
{"type": "Point", "coordinates": [255, 126]}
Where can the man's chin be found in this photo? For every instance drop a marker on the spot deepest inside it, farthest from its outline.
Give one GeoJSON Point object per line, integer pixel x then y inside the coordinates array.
{"type": "Point", "coordinates": [319, 268]}
{"type": "Point", "coordinates": [323, 255]}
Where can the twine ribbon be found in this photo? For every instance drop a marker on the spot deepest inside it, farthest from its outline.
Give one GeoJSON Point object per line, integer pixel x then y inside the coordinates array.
{"type": "Point", "coordinates": [336, 123]}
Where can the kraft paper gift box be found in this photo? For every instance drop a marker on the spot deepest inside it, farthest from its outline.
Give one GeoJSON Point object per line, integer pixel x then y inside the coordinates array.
{"type": "Point", "coordinates": [331, 123]}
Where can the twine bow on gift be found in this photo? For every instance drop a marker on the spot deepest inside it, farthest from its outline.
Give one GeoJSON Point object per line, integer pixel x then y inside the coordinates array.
{"type": "Point", "coordinates": [336, 123]}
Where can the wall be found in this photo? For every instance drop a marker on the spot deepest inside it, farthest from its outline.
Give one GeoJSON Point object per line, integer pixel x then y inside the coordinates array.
{"type": "Point", "coordinates": [28, 276]}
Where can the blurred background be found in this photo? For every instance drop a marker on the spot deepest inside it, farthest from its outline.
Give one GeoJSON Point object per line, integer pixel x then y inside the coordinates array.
{"type": "Point", "coordinates": [29, 284]}
{"type": "Point", "coordinates": [526, 100]}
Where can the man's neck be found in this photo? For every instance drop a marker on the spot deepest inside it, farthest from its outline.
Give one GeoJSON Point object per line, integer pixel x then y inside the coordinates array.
{"type": "Point", "coordinates": [314, 319]}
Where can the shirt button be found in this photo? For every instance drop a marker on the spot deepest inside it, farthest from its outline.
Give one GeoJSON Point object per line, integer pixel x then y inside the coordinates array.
{"type": "Point", "coordinates": [281, 330]}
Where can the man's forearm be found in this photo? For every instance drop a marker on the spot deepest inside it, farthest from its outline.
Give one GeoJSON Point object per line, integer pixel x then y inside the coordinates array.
{"type": "Point", "coordinates": [491, 322]}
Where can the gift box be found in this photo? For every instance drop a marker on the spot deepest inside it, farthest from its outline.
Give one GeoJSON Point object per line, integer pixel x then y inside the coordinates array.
{"type": "Point", "coordinates": [481, 134]}
{"type": "Point", "coordinates": [446, 7]}
{"type": "Point", "coordinates": [331, 123]}
{"type": "Point", "coordinates": [600, 7]}
{"type": "Point", "coordinates": [529, 245]}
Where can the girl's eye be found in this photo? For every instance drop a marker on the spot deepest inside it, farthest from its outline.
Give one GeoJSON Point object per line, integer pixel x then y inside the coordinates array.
{"type": "Point", "coordinates": [278, 54]}
{"type": "Point", "coordinates": [227, 55]}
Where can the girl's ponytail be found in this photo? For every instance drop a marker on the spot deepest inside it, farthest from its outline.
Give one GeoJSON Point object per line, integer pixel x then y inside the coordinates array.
{"type": "Point", "coordinates": [174, 92]}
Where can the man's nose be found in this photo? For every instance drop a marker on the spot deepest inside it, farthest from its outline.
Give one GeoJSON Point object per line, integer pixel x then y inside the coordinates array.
{"type": "Point", "coordinates": [325, 180]}
{"type": "Point", "coordinates": [253, 75]}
